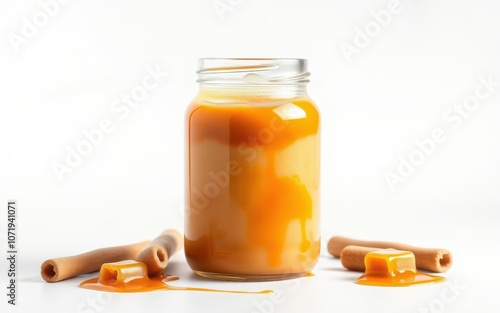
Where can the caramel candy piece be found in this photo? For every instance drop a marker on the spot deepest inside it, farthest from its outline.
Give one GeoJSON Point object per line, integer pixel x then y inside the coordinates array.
{"type": "Point", "coordinates": [391, 267]}
{"type": "Point", "coordinates": [132, 276]}
{"type": "Point", "coordinates": [430, 259]}
{"type": "Point", "coordinates": [122, 272]}
{"type": "Point", "coordinates": [54, 270]}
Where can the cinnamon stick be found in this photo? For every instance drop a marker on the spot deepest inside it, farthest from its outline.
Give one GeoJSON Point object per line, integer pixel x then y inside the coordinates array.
{"type": "Point", "coordinates": [157, 253]}
{"type": "Point", "coordinates": [54, 270]}
{"type": "Point", "coordinates": [353, 257]}
{"type": "Point", "coordinates": [434, 260]}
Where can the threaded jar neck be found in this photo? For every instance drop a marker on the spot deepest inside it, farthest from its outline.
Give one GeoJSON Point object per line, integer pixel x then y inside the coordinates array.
{"type": "Point", "coordinates": [266, 77]}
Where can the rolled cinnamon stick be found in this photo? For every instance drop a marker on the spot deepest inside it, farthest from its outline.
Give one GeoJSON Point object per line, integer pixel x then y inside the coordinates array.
{"type": "Point", "coordinates": [54, 270]}
{"type": "Point", "coordinates": [434, 260]}
{"type": "Point", "coordinates": [157, 253]}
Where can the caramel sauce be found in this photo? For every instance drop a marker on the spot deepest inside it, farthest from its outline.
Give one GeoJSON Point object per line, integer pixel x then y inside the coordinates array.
{"type": "Point", "coordinates": [131, 276]}
{"type": "Point", "coordinates": [253, 188]}
{"type": "Point", "coordinates": [391, 267]}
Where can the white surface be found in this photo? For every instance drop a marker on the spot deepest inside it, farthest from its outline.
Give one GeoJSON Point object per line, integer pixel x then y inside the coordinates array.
{"type": "Point", "coordinates": [66, 78]}
{"type": "Point", "coordinates": [469, 288]}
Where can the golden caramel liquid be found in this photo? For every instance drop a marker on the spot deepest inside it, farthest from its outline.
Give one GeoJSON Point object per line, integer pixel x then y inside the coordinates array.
{"type": "Point", "coordinates": [394, 268]}
{"type": "Point", "coordinates": [132, 276]}
{"type": "Point", "coordinates": [252, 187]}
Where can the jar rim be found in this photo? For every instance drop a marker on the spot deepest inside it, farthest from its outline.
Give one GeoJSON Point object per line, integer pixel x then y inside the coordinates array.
{"type": "Point", "coordinates": [253, 71]}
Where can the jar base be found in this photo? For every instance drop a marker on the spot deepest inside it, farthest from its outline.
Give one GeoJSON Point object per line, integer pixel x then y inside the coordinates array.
{"type": "Point", "coordinates": [250, 278]}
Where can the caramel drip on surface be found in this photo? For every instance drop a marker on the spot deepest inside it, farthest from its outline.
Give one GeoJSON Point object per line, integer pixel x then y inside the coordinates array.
{"type": "Point", "coordinates": [132, 276]}
{"type": "Point", "coordinates": [151, 284]}
{"type": "Point", "coordinates": [394, 268]}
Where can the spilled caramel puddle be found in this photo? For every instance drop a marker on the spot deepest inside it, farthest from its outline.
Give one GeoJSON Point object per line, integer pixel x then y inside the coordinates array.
{"type": "Point", "coordinates": [131, 276]}
{"type": "Point", "coordinates": [394, 268]}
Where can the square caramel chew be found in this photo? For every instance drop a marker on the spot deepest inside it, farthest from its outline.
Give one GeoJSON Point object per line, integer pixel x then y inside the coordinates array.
{"type": "Point", "coordinates": [122, 272]}
{"type": "Point", "coordinates": [389, 263]}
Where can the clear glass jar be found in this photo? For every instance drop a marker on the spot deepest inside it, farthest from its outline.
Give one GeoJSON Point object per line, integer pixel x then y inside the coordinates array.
{"type": "Point", "coordinates": [252, 171]}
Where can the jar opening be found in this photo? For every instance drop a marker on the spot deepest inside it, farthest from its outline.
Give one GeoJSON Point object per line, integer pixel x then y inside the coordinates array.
{"type": "Point", "coordinates": [252, 71]}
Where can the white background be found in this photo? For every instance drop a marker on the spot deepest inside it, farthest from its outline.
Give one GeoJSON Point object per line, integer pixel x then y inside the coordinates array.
{"type": "Point", "coordinates": [395, 90]}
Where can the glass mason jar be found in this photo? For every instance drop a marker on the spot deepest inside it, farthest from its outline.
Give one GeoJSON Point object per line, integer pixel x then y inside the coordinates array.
{"type": "Point", "coordinates": [252, 171]}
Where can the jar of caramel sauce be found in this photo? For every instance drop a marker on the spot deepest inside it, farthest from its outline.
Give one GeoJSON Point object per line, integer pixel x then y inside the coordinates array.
{"type": "Point", "coordinates": [252, 171]}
